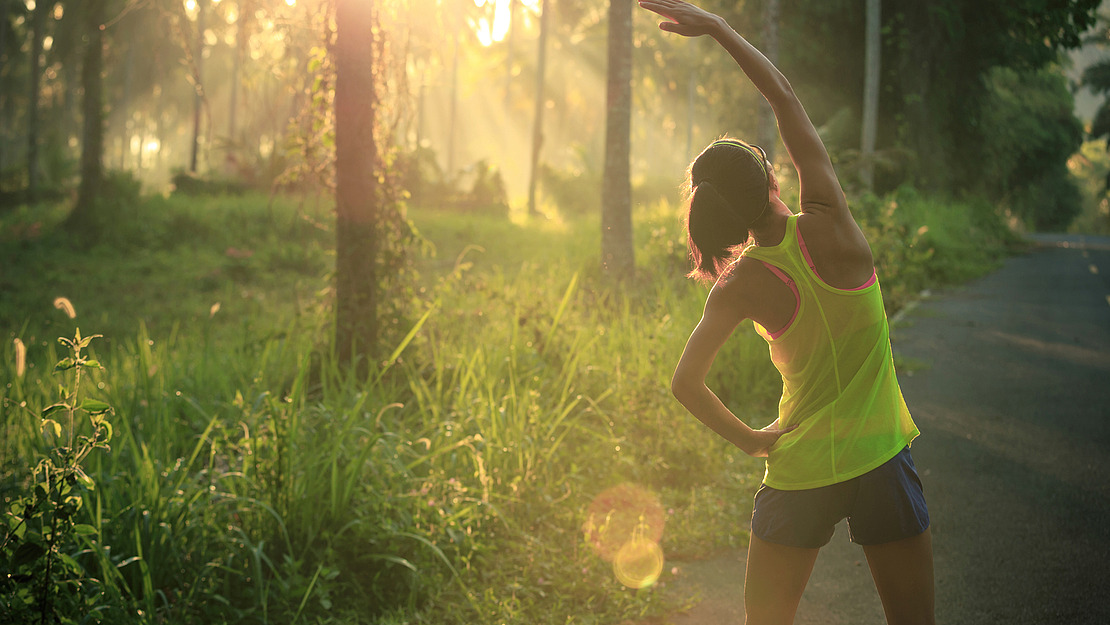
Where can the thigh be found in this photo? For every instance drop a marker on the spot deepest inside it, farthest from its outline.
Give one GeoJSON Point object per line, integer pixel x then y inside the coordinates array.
{"type": "Point", "coordinates": [775, 579]}
{"type": "Point", "coordinates": [903, 574]}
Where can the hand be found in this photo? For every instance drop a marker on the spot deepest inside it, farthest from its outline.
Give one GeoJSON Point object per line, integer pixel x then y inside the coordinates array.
{"type": "Point", "coordinates": [766, 438]}
{"type": "Point", "coordinates": [686, 19]}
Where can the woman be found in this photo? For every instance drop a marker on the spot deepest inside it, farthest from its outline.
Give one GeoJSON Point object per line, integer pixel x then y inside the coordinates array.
{"type": "Point", "coordinates": [839, 448]}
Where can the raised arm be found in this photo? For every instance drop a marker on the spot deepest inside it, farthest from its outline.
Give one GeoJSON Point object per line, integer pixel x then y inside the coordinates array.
{"type": "Point", "coordinates": [820, 189]}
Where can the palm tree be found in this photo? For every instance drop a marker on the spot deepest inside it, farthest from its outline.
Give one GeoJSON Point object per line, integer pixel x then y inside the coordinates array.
{"type": "Point", "coordinates": [616, 196]}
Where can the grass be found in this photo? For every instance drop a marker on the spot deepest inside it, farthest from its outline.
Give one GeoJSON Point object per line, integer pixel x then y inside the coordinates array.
{"type": "Point", "coordinates": [253, 480]}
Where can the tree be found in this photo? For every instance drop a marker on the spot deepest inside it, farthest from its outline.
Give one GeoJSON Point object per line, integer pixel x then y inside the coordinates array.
{"type": "Point", "coordinates": [4, 118]}
{"type": "Point", "coordinates": [92, 143]}
{"type": "Point", "coordinates": [616, 193]}
{"type": "Point", "coordinates": [872, 65]}
{"type": "Point", "coordinates": [38, 32]}
{"type": "Point", "coordinates": [356, 190]}
{"type": "Point", "coordinates": [1031, 131]}
{"type": "Point", "coordinates": [537, 119]}
{"type": "Point", "coordinates": [943, 52]}
{"type": "Point", "coordinates": [198, 84]}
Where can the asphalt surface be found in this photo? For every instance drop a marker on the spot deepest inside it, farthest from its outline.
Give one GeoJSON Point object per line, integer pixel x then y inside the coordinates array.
{"type": "Point", "coordinates": [1008, 378]}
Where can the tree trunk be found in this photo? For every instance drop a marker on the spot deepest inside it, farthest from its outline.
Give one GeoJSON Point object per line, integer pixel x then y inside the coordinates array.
{"type": "Point", "coordinates": [537, 120]}
{"type": "Point", "coordinates": [452, 123]}
{"type": "Point", "coordinates": [5, 119]}
{"type": "Point", "coordinates": [198, 79]}
{"type": "Point", "coordinates": [124, 108]}
{"type": "Point", "coordinates": [768, 133]}
{"type": "Point", "coordinates": [870, 95]}
{"type": "Point", "coordinates": [38, 32]}
{"type": "Point", "coordinates": [510, 33]}
{"type": "Point", "coordinates": [92, 143]}
{"type": "Point", "coordinates": [237, 60]}
{"type": "Point", "coordinates": [617, 258]}
{"type": "Point", "coordinates": [356, 192]}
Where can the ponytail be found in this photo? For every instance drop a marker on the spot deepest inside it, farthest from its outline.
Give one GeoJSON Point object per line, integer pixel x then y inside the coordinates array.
{"type": "Point", "coordinates": [729, 185]}
{"type": "Point", "coordinates": [714, 232]}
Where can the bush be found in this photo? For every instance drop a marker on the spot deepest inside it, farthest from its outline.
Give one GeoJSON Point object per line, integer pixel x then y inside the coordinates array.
{"type": "Point", "coordinates": [192, 185]}
{"type": "Point", "coordinates": [920, 242]}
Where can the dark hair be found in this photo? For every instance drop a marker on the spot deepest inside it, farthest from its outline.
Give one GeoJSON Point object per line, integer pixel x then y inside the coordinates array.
{"type": "Point", "coordinates": [728, 190]}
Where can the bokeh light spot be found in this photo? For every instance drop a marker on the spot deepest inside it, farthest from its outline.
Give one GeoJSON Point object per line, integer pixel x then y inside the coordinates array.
{"type": "Point", "coordinates": [623, 526]}
{"type": "Point", "coordinates": [638, 563]}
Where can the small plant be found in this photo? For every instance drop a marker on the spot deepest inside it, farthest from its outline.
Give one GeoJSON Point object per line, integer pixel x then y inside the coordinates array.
{"type": "Point", "coordinates": [44, 583]}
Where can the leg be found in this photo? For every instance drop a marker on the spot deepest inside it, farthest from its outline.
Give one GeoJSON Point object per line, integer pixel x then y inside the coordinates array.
{"type": "Point", "coordinates": [774, 581]}
{"type": "Point", "coordinates": [903, 573]}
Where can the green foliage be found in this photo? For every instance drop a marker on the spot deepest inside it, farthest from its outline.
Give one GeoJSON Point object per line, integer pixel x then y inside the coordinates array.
{"type": "Point", "coordinates": [253, 479]}
{"type": "Point", "coordinates": [479, 188]}
{"type": "Point", "coordinates": [1030, 131]}
{"type": "Point", "coordinates": [575, 189]}
{"type": "Point", "coordinates": [920, 242]}
{"type": "Point", "coordinates": [1091, 169]}
{"type": "Point", "coordinates": [192, 185]}
{"type": "Point", "coordinates": [43, 532]}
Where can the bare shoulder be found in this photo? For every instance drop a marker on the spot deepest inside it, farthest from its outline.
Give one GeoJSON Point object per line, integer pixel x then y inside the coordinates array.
{"type": "Point", "coordinates": [838, 248]}
{"type": "Point", "coordinates": [746, 286]}
{"type": "Point", "coordinates": [733, 291]}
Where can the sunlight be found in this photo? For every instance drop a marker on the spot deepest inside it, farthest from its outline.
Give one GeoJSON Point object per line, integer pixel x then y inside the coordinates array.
{"type": "Point", "coordinates": [488, 33]}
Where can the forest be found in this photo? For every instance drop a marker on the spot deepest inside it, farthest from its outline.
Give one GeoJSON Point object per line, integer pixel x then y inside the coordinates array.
{"type": "Point", "coordinates": [364, 311]}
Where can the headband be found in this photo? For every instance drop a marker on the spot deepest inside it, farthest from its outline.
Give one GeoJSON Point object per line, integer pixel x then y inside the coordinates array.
{"type": "Point", "coordinates": [758, 156]}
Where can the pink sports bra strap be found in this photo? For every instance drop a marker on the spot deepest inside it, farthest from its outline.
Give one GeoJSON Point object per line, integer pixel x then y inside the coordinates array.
{"type": "Point", "coordinates": [805, 252]}
{"type": "Point", "coordinates": [797, 298]}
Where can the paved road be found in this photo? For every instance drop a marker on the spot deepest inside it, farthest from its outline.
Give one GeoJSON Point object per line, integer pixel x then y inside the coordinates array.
{"type": "Point", "coordinates": [1009, 380]}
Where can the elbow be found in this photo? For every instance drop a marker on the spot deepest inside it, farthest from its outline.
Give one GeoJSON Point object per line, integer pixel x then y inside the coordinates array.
{"type": "Point", "coordinates": [680, 388]}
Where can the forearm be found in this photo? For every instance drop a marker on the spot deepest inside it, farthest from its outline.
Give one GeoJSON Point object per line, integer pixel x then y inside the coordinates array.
{"type": "Point", "coordinates": [708, 408]}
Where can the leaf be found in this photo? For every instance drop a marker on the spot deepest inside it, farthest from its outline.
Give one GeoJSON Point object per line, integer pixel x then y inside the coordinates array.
{"type": "Point", "coordinates": [53, 425]}
{"type": "Point", "coordinates": [51, 409]}
{"type": "Point", "coordinates": [91, 364]}
{"type": "Point", "coordinates": [82, 343]}
{"type": "Point", "coordinates": [84, 530]}
{"type": "Point", "coordinates": [95, 406]}
{"type": "Point", "coordinates": [64, 364]}
{"type": "Point", "coordinates": [108, 433]}
{"type": "Point", "coordinates": [85, 480]}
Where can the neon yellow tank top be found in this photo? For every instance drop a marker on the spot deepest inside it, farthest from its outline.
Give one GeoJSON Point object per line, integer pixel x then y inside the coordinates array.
{"type": "Point", "coordinates": [838, 380]}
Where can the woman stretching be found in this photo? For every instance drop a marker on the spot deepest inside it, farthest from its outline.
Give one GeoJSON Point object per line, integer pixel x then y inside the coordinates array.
{"type": "Point", "coordinates": [839, 448]}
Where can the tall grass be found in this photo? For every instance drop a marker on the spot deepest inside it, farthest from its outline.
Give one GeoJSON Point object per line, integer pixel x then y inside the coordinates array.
{"type": "Point", "coordinates": [253, 480]}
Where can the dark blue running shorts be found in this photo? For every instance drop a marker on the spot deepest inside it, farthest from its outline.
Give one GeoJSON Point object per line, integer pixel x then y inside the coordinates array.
{"type": "Point", "coordinates": [882, 505]}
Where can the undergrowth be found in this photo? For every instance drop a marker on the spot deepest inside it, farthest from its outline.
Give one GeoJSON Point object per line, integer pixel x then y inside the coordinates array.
{"type": "Point", "coordinates": [469, 479]}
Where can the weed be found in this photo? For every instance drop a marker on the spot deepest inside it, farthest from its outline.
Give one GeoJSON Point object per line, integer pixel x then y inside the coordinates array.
{"type": "Point", "coordinates": [45, 581]}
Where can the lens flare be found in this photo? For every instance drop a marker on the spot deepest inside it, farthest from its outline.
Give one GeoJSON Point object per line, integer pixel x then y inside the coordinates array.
{"type": "Point", "coordinates": [638, 563]}
{"type": "Point", "coordinates": [623, 526]}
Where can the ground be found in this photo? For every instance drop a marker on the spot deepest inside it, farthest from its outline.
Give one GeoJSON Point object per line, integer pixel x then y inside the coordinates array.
{"type": "Point", "coordinates": [1008, 379]}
